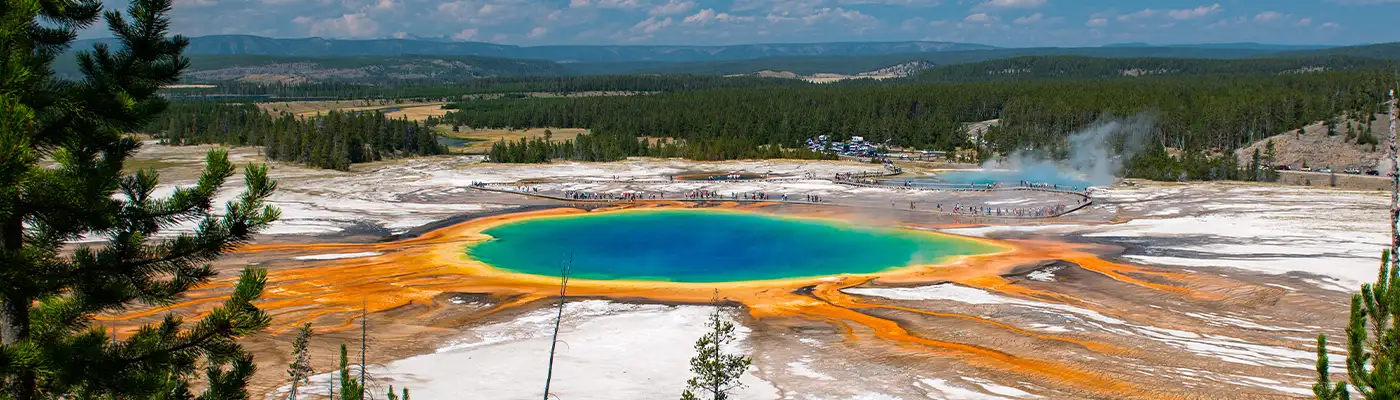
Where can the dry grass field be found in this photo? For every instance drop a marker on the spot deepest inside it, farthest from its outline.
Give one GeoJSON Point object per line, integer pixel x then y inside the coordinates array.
{"type": "Point", "coordinates": [419, 113]}
{"type": "Point", "coordinates": [480, 141]}
{"type": "Point", "coordinates": [309, 108]}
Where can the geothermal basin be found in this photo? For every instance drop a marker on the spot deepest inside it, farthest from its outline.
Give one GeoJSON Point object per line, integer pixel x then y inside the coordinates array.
{"type": "Point", "coordinates": [709, 246]}
{"type": "Point", "coordinates": [1155, 291]}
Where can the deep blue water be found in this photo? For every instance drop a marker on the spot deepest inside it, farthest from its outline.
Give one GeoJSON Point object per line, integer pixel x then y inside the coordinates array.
{"type": "Point", "coordinates": [708, 246]}
{"type": "Point", "coordinates": [985, 177]}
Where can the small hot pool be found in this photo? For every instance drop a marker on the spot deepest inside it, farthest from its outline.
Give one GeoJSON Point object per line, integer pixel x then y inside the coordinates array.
{"type": "Point", "coordinates": [975, 178]}
{"type": "Point", "coordinates": [709, 246]}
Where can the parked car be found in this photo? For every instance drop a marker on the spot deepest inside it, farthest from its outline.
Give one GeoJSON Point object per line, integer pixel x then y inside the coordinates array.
{"type": "Point", "coordinates": [1325, 170]}
{"type": "Point", "coordinates": [1373, 172]}
{"type": "Point", "coordinates": [1283, 168]}
{"type": "Point", "coordinates": [1353, 171]}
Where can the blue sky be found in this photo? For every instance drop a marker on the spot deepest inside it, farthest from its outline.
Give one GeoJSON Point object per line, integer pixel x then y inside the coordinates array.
{"type": "Point", "coordinates": [1011, 23]}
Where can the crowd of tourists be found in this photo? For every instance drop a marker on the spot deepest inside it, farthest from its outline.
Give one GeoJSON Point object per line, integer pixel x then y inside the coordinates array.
{"type": "Point", "coordinates": [861, 178]}
{"type": "Point", "coordinates": [984, 211]}
{"type": "Point", "coordinates": [702, 195]}
{"type": "Point", "coordinates": [629, 196]}
{"type": "Point", "coordinates": [514, 188]}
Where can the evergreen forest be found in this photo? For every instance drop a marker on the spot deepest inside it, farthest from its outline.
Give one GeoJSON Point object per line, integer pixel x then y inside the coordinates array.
{"type": "Point", "coordinates": [334, 140]}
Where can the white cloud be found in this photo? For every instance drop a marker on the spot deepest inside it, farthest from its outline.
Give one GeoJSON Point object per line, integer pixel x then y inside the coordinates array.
{"type": "Point", "coordinates": [779, 7]}
{"type": "Point", "coordinates": [1180, 14]}
{"type": "Point", "coordinates": [1194, 13]}
{"type": "Point", "coordinates": [1144, 14]}
{"type": "Point", "coordinates": [538, 32]}
{"type": "Point", "coordinates": [776, 19]}
{"type": "Point", "coordinates": [384, 5]}
{"type": "Point", "coordinates": [673, 7]}
{"type": "Point", "coordinates": [453, 15]}
{"type": "Point", "coordinates": [1096, 22]}
{"type": "Point", "coordinates": [912, 24]}
{"type": "Point", "coordinates": [709, 15]}
{"type": "Point", "coordinates": [1029, 19]}
{"type": "Point", "coordinates": [194, 3]}
{"type": "Point", "coordinates": [978, 17]}
{"type": "Point", "coordinates": [910, 3]}
{"type": "Point", "coordinates": [578, 3]}
{"type": "Point", "coordinates": [1268, 16]}
{"type": "Point", "coordinates": [465, 34]}
{"type": "Point", "coordinates": [1011, 4]}
{"type": "Point", "coordinates": [837, 14]}
{"type": "Point", "coordinates": [302, 20]}
{"type": "Point", "coordinates": [1304, 22]}
{"type": "Point", "coordinates": [347, 25]}
{"type": "Point", "coordinates": [625, 4]}
{"type": "Point", "coordinates": [652, 25]}
{"type": "Point", "coordinates": [1329, 25]}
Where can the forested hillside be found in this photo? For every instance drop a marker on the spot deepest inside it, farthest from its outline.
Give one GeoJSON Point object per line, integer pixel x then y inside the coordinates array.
{"type": "Point", "coordinates": [1215, 112]}
{"type": "Point", "coordinates": [1060, 67]}
{"type": "Point", "coordinates": [858, 64]}
{"type": "Point", "coordinates": [332, 141]}
{"type": "Point", "coordinates": [318, 47]}
{"type": "Point", "coordinates": [379, 70]}
{"type": "Point", "coordinates": [559, 84]}
{"type": "Point", "coordinates": [798, 65]}
{"type": "Point", "coordinates": [1389, 51]}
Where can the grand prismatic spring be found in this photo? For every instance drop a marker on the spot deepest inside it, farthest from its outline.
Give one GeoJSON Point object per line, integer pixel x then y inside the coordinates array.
{"type": "Point", "coordinates": [858, 296]}
{"type": "Point", "coordinates": [709, 246]}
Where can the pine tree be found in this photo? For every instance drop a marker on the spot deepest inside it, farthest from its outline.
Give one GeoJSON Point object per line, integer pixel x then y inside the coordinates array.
{"type": "Point", "coordinates": [716, 373]}
{"type": "Point", "coordinates": [394, 396]}
{"type": "Point", "coordinates": [1254, 166]}
{"type": "Point", "coordinates": [1373, 353]}
{"type": "Point", "coordinates": [1269, 159]}
{"type": "Point", "coordinates": [300, 368]}
{"type": "Point", "coordinates": [62, 148]}
{"type": "Point", "coordinates": [350, 388]}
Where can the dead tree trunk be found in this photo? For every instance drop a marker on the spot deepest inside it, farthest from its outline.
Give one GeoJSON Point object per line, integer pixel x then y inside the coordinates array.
{"type": "Point", "coordinates": [1394, 185]}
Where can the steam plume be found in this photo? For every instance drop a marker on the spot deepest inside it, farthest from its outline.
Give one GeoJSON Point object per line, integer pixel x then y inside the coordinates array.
{"type": "Point", "coordinates": [1095, 154]}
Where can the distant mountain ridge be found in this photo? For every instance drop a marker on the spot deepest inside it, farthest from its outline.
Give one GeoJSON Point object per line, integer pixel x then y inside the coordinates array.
{"type": "Point", "coordinates": [259, 59]}
{"type": "Point", "coordinates": [1234, 45]}
{"type": "Point", "coordinates": [318, 47]}
{"type": "Point", "coordinates": [365, 69]}
{"type": "Point", "coordinates": [1387, 51]}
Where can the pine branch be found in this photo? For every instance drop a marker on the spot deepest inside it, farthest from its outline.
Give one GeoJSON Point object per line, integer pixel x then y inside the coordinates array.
{"type": "Point", "coordinates": [236, 317]}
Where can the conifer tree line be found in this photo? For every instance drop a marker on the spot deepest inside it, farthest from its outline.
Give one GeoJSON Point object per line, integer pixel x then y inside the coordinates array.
{"type": "Point", "coordinates": [1203, 114]}
{"type": "Point", "coordinates": [334, 140]}
{"type": "Point", "coordinates": [613, 147]}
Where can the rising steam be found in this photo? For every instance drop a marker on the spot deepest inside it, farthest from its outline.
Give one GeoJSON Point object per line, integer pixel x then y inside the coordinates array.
{"type": "Point", "coordinates": [1095, 154]}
